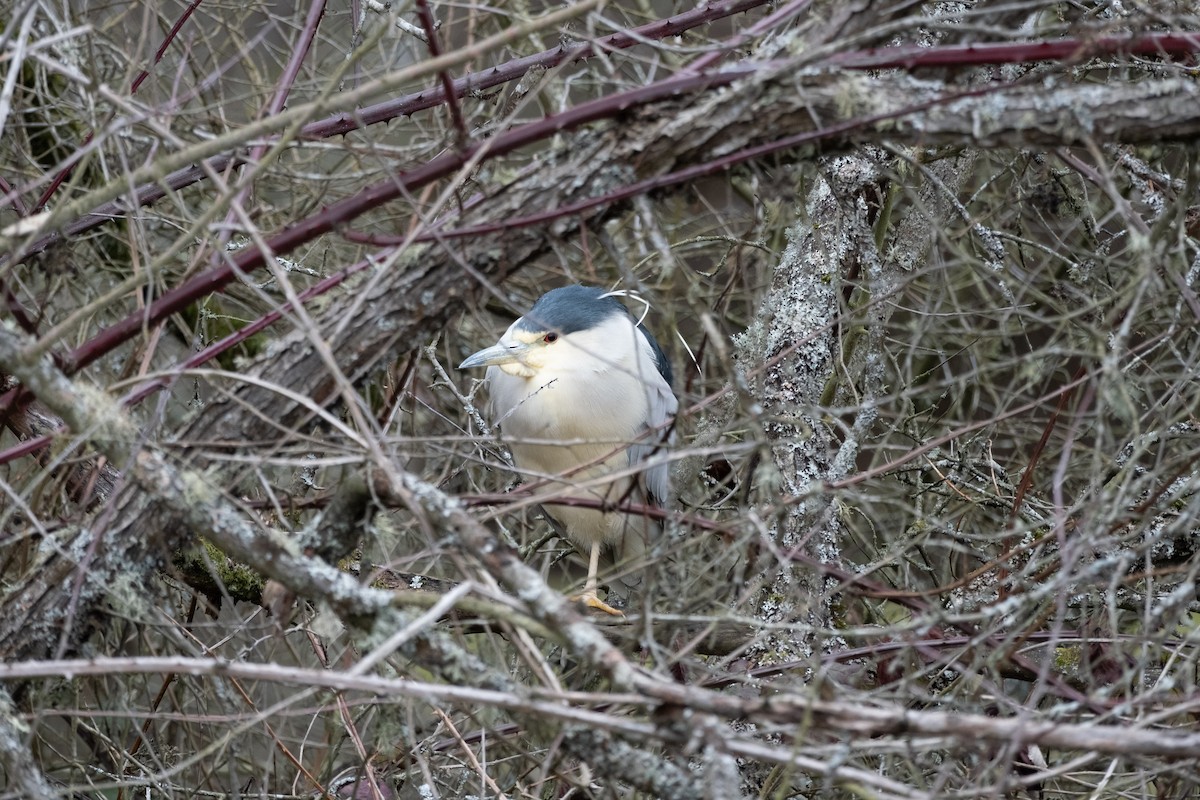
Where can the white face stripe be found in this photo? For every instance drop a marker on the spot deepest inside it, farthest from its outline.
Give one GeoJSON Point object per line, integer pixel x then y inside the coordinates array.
{"type": "Point", "coordinates": [523, 336]}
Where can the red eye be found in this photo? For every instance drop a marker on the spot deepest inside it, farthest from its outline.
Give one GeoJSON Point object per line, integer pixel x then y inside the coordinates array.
{"type": "Point", "coordinates": [550, 338]}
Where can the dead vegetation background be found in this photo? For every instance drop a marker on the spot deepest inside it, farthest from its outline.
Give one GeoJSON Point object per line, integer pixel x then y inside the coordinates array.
{"type": "Point", "coordinates": [927, 275]}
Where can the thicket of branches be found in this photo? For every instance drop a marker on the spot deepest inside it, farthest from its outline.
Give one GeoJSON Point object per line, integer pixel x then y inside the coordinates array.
{"type": "Point", "coordinates": [927, 274]}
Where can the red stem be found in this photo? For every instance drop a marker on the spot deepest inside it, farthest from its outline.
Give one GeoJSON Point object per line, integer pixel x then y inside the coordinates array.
{"type": "Point", "coordinates": [1071, 51]}
{"type": "Point", "coordinates": [430, 27]}
{"type": "Point", "coordinates": [401, 106]}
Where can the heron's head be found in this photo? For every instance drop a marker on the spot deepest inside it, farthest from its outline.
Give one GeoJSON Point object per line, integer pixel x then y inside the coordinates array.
{"type": "Point", "coordinates": [575, 328]}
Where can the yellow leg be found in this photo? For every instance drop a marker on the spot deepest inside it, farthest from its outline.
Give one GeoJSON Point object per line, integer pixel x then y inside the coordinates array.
{"type": "Point", "coordinates": [588, 597]}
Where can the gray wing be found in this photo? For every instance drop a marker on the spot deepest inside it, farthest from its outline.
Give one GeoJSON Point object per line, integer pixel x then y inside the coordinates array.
{"type": "Point", "coordinates": [662, 406]}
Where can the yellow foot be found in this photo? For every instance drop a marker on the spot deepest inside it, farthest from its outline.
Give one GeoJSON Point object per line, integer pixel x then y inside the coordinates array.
{"type": "Point", "coordinates": [590, 600]}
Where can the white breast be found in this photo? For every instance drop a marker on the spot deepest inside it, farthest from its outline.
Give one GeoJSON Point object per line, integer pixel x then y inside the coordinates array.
{"type": "Point", "coordinates": [574, 420]}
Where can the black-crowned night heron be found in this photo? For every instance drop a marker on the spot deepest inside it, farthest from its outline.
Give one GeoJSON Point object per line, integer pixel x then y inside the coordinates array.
{"type": "Point", "coordinates": [582, 393]}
